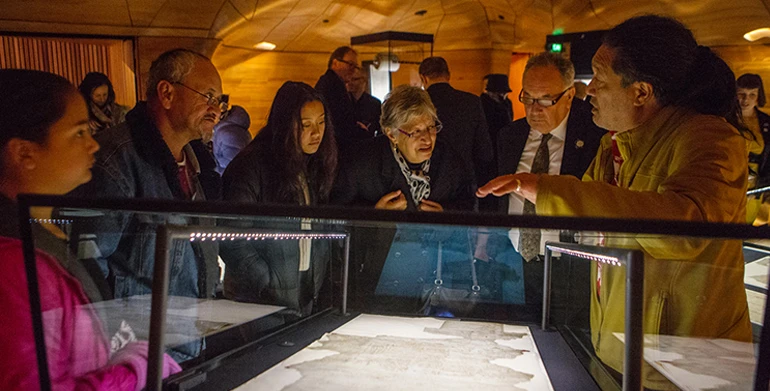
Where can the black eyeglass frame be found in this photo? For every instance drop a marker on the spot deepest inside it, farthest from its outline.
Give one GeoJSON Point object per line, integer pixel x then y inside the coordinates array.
{"type": "Point", "coordinates": [539, 101]}
{"type": "Point", "coordinates": [222, 102]}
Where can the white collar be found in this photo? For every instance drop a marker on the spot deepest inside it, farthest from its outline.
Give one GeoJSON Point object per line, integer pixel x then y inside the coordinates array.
{"type": "Point", "coordinates": [559, 132]}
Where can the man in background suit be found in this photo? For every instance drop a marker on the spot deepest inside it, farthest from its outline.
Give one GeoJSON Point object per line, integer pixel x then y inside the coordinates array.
{"type": "Point", "coordinates": [465, 126]}
{"type": "Point", "coordinates": [561, 127]}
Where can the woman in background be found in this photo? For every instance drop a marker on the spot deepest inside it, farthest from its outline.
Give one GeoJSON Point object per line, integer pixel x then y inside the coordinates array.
{"type": "Point", "coordinates": [751, 96]}
{"type": "Point", "coordinates": [103, 111]}
{"type": "Point", "coordinates": [47, 148]}
{"type": "Point", "coordinates": [293, 161]}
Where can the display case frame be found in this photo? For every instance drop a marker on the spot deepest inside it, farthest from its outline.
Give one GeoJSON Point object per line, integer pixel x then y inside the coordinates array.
{"type": "Point", "coordinates": [690, 229]}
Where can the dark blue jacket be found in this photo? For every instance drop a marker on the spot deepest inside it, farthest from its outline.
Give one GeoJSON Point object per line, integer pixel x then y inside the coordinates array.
{"type": "Point", "coordinates": [134, 162]}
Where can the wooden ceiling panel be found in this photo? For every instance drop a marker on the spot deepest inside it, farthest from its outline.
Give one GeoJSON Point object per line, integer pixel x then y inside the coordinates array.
{"type": "Point", "coordinates": [143, 11]}
{"type": "Point", "coordinates": [187, 13]}
{"type": "Point", "coordinates": [228, 19]}
{"type": "Point", "coordinates": [107, 12]}
{"type": "Point", "coordinates": [275, 8]}
{"type": "Point", "coordinates": [247, 8]}
{"type": "Point", "coordinates": [298, 24]}
{"type": "Point", "coordinates": [311, 8]}
{"type": "Point", "coordinates": [250, 33]}
{"type": "Point", "coordinates": [284, 33]}
{"type": "Point", "coordinates": [464, 27]}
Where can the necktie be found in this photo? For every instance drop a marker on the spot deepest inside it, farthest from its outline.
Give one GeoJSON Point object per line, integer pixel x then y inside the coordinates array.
{"type": "Point", "coordinates": [529, 239]}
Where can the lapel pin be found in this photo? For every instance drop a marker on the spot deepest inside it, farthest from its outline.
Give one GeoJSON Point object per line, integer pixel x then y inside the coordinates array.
{"type": "Point", "coordinates": [579, 144]}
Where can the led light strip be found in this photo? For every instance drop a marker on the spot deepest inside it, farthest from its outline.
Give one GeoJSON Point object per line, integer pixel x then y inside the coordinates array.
{"type": "Point", "coordinates": [594, 257]}
{"type": "Point", "coordinates": [203, 236]}
{"type": "Point", "coordinates": [50, 221]}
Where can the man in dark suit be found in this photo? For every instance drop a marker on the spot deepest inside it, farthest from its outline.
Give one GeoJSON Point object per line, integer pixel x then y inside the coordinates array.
{"type": "Point", "coordinates": [465, 126]}
{"type": "Point", "coordinates": [366, 108]}
{"type": "Point", "coordinates": [557, 136]}
{"type": "Point", "coordinates": [343, 62]}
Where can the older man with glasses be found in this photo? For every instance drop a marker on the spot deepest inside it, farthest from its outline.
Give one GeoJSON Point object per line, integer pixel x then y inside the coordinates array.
{"type": "Point", "coordinates": [342, 65]}
{"type": "Point", "coordinates": [157, 153]}
{"type": "Point", "coordinates": [556, 137]}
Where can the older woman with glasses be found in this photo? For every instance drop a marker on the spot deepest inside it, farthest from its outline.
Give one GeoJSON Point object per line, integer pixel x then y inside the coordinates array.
{"type": "Point", "coordinates": [406, 170]}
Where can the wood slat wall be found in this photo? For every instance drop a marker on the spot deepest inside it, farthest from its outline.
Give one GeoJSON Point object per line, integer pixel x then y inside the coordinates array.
{"type": "Point", "coordinates": [73, 58]}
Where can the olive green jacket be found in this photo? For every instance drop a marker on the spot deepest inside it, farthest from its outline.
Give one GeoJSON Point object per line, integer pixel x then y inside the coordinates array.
{"type": "Point", "coordinates": [679, 165]}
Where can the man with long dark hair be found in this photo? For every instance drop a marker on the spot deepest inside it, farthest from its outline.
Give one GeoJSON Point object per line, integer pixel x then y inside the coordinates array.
{"type": "Point", "coordinates": [674, 154]}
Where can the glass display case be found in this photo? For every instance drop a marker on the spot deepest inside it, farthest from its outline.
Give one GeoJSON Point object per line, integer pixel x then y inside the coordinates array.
{"type": "Point", "coordinates": [326, 298]}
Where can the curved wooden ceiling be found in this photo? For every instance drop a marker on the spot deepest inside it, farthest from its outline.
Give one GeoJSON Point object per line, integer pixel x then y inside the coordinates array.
{"type": "Point", "coordinates": [321, 25]}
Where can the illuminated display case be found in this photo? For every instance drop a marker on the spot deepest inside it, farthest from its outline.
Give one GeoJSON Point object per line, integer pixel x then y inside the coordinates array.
{"type": "Point", "coordinates": [369, 299]}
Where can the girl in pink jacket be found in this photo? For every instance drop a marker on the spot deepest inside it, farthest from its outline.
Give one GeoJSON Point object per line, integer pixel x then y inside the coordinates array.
{"type": "Point", "coordinates": [46, 148]}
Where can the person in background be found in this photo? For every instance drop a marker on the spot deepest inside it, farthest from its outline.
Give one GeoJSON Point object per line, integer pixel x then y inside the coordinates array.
{"type": "Point", "coordinates": [103, 111]}
{"type": "Point", "coordinates": [462, 116]}
{"type": "Point", "coordinates": [580, 90]}
{"type": "Point", "coordinates": [366, 108]}
{"type": "Point", "coordinates": [293, 161]}
{"type": "Point", "coordinates": [231, 135]}
{"type": "Point", "coordinates": [678, 153]}
{"type": "Point", "coordinates": [751, 96]}
{"type": "Point", "coordinates": [498, 109]}
{"type": "Point", "coordinates": [343, 63]}
{"type": "Point", "coordinates": [157, 153]}
{"type": "Point", "coordinates": [47, 148]}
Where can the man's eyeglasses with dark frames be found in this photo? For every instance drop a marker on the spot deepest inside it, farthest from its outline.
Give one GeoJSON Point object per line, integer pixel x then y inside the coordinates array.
{"type": "Point", "coordinates": [430, 130]}
{"type": "Point", "coordinates": [352, 64]}
{"type": "Point", "coordinates": [543, 102]}
{"type": "Point", "coordinates": [212, 100]}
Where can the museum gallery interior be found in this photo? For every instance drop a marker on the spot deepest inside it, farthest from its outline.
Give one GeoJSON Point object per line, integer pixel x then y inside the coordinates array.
{"type": "Point", "coordinates": [384, 195]}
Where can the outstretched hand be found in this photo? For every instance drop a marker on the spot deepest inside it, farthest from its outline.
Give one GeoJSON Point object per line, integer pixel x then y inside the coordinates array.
{"type": "Point", "coordinates": [523, 184]}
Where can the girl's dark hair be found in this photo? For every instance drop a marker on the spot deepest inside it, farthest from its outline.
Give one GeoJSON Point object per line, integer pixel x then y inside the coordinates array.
{"type": "Point", "coordinates": [751, 81]}
{"type": "Point", "coordinates": [31, 102]}
{"type": "Point", "coordinates": [95, 80]}
{"type": "Point", "coordinates": [282, 133]}
{"type": "Point", "coordinates": [663, 52]}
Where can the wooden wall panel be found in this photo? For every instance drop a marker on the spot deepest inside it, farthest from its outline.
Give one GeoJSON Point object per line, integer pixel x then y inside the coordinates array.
{"type": "Point", "coordinates": [73, 58]}
{"type": "Point", "coordinates": [252, 77]}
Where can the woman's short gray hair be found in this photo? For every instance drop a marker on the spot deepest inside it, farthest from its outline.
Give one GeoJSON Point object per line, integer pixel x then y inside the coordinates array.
{"type": "Point", "coordinates": [403, 105]}
{"type": "Point", "coordinates": [172, 66]}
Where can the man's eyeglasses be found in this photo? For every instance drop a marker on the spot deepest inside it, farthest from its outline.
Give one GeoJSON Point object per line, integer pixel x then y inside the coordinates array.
{"type": "Point", "coordinates": [543, 102]}
{"type": "Point", "coordinates": [351, 63]}
{"type": "Point", "coordinates": [212, 100]}
{"type": "Point", "coordinates": [430, 130]}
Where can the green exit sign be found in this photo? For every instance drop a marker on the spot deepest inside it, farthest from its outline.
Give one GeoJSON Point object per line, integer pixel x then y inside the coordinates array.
{"type": "Point", "coordinates": [556, 47]}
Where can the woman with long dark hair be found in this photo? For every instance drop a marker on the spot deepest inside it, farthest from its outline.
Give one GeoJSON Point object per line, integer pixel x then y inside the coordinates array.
{"type": "Point", "coordinates": [293, 160]}
{"type": "Point", "coordinates": [103, 111]}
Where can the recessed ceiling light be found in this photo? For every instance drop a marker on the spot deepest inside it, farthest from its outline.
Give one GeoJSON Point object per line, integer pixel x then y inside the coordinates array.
{"type": "Point", "coordinates": [754, 35]}
{"type": "Point", "coordinates": [264, 45]}
{"type": "Point", "coordinates": [421, 12]}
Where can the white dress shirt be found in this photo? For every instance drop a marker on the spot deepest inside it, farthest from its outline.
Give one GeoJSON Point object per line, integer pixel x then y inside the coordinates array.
{"type": "Point", "coordinates": [556, 152]}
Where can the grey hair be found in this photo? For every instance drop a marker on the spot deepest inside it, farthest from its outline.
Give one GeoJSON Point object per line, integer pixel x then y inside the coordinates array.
{"type": "Point", "coordinates": [403, 105]}
{"type": "Point", "coordinates": [561, 63]}
{"type": "Point", "coordinates": [172, 66]}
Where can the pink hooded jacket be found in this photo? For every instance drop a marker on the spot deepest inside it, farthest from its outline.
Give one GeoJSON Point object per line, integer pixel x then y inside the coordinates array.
{"type": "Point", "coordinates": [77, 350]}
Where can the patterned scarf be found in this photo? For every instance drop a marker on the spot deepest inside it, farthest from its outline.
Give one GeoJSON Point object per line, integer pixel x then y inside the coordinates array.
{"type": "Point", "coordinates": [418, 180]}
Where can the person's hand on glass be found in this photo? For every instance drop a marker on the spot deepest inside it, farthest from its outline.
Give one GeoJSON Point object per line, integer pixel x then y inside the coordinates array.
{"type": "Point", "coordinates": [523, 184]}
{"type": "Point", "coordinates": [392, 201]}
{"type": "Point", "coordinates": [430, 206]}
